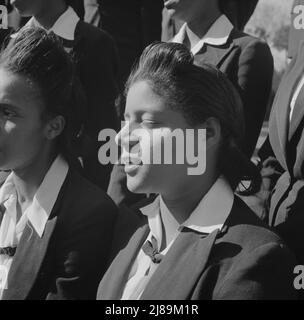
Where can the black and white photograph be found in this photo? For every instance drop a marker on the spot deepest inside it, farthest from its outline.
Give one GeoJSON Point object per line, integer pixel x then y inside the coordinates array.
{"type": "Point", "coordinates": [151, 150]}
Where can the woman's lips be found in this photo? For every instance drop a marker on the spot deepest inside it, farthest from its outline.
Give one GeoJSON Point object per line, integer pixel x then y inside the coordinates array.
{"type": "Point", "coordinates": [131, 168]}
{"type": "Point", "coordinates": [131, 163]}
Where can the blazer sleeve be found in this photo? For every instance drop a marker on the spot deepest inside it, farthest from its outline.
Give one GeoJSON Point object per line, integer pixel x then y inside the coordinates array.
{"type": "Point", "coordinates": [83, 253]}
{"type": "Point", "coordinates": [255, 72]}
{"type": "Point", "coordinates": [266, 273]}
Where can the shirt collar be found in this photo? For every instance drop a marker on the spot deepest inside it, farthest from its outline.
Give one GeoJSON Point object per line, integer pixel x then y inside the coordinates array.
{"type": "Point", "coordinates": [217, 34]}
{"type": "Point", "coordinates": [214, 208]}
{"type": "Point", "coordinates": [45, 197]}
{"type": "Point", "coordinates": [209, 215]}
{"type": "Point", "coordinates": [64, 27]}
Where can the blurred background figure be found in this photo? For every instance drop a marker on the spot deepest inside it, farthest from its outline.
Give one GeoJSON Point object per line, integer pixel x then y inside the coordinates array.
{"type": "Point", "coordinates": [133, 24]}
{"type": "Point", "coordinates": [237, 11]}
{"type": "Point", "coordinates": [213, 39]}
{"type": "Point", "coordinates": [283, 153]}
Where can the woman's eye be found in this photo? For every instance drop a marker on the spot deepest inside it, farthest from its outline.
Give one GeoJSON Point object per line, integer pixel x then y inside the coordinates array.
{"type": "Point", "coordinates": [8, 114]}
{"type": "Point", "coordinates": [150, 123]}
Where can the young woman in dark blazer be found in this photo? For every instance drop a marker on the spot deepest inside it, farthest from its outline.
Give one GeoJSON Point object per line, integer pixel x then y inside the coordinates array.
{"type": "Point", "coordinates": [56, 227]}
{"type": "Point", "coordinates": [96, 60]}
{"type": "Point", "coordinates": [197, 240]}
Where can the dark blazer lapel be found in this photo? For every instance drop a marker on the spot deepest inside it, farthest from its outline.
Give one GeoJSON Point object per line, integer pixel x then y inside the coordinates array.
{"type": "Point", "coordinates": [189, 255]}
{"type": "Point", "coordinates": [27, 261]}
{"type": "Point", "coordinates": [113, 282]}
{"type": "Point", "coordinates": [279, 120]}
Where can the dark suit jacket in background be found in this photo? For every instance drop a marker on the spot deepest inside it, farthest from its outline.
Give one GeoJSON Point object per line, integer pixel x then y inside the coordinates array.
{"type": "Point", "coordinates": [68, 261]}
{"type": "Point", "coordinates": [133, 24]}
{"type": "Point", "coordinates": [287, 142]}
{"type": "Point", "coordinates": [96, 60]}
{"type": "Point", "coordinates": [243, 261]}
{"type": "Point", "coordinates": [248, 63]}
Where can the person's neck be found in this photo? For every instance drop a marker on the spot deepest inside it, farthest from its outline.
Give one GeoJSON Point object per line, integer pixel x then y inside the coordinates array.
{"type": "Point", "coordinates": [48, 17]}
{"type": "Point", "coordinates": [198, 26]}
{"type": "Point", "coordinates": [28, 179]}
{"type": "Point", "coordinates": [181, 204]}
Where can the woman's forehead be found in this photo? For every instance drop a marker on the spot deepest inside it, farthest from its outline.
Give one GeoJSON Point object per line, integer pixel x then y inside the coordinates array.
{"type": "Point", "coordinates": [141, 97]}
{"type": "Point", "coordinates": [16, 89]}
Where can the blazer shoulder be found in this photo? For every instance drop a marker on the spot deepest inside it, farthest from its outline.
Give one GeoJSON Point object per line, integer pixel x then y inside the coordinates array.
{"type": "Point", "coordinates": [93, 34]}
{"type": "Point", "coordinates": [243, 40]}
{"type": "Point", "coordinates": [251, 258]}
{"type": "Point", "coordinates": [79, 197]}
{"type": "Point", "coordinates": [245, 228]}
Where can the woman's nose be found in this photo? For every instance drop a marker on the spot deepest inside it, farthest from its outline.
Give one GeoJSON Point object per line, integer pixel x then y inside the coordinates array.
{"type": "Point", "coordinates": [125, 138]}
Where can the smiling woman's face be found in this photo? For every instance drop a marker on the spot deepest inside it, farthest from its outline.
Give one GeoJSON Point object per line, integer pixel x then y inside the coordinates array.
{"type": "Point", "coordinates": [21, 127]}
{"type": "Point", "coordinates": [148, 113]}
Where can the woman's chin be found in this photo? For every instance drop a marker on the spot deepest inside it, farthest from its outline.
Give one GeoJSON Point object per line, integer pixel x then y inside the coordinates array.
{"type": "Point", "coordinates": [134, 186]}
{"type": "Point", "coordinates": [137, 186]}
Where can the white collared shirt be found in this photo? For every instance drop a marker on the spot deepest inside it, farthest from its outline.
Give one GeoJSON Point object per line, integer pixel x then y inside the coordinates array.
{"type": "Point", "coordinates": [36, 215]}
{"type": "Point", "coordinates": [217, 34]}
{"type": "Point", "coordinates": [64, 27]}
{"type": "Point", "coordinates": [209, 215]}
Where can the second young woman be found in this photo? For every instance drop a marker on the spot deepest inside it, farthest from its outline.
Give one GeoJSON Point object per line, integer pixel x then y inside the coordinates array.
{"type": "Point", "coordinates": [197, 240]}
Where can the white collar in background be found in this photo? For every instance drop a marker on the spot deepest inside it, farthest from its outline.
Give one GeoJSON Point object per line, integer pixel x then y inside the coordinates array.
{"type": "Point", "coordinates": [43, 202]}
{"type": "Point", "coordinates": [64, 27]}
{"type": "Point", "coordinates": [217, 34]}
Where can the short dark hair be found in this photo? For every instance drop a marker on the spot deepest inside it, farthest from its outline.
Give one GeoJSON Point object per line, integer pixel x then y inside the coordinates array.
{"type": "Point", "coordinates": [40, 57]}
{"type": "Point", "coordinates": [199, 92]}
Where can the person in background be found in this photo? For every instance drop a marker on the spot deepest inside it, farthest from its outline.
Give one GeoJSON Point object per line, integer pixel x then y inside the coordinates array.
{"type": "Point", "coordinates": [133, 24]}
{"type": "Point", "coordinates": [237, 11]}
{"type": "Point", "coordinates": [197, 240]}
{"type": "Point", "coordinates": [282, 154]}
{"type": "Point", "coordinates": [212, 38]}
{"type": "Point", "coordinates": [56, 227]}
{"type": "Point", "coordinates": [95, 56]}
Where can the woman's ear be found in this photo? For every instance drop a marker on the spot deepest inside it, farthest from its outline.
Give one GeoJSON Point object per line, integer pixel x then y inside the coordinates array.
{"type": "Point", "coordinates": [213, 132]}
{"type": "Point", "coordinates": [54, 127]}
